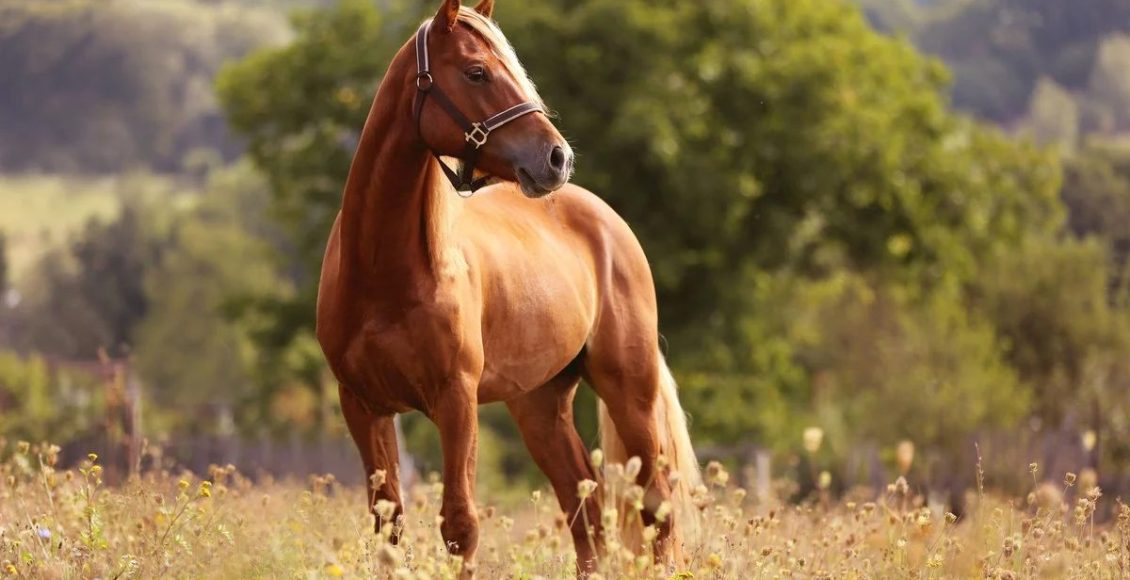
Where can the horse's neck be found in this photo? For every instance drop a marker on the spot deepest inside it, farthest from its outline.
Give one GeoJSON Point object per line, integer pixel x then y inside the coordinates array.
{"type": "Point", "coordinates": [394, 211]}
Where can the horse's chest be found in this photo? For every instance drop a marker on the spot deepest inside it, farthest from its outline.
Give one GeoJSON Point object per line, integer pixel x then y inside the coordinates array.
{"type": "Point", "coordinates": [396, 358]}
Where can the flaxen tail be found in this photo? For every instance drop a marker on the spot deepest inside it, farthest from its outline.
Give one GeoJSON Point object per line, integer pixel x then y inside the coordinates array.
{"type": "Point", "coordinates": [675, 446]}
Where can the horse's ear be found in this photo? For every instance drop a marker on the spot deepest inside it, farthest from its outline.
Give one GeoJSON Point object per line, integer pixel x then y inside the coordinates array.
{"type": "Point", "coordinates": [485, 7]}
{"type": "Point", "coordinates": [448, 15]}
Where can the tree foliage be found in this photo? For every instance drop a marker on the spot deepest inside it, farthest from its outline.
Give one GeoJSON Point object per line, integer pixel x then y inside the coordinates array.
{"type": "Point", "coordinates": [90, 295]}
{"type": "Point", "coordinates": [93, 86]}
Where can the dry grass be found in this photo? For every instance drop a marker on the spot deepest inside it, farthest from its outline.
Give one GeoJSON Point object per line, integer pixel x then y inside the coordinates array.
{"type": "Point", "coordinates": [65, 524]}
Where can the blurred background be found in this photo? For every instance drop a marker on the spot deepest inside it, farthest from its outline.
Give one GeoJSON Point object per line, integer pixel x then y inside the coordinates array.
{"type": "Point", "coordinates": [882, 231]}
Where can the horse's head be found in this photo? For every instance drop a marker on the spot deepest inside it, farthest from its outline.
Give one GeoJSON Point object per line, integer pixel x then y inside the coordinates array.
{"type": "Point", "coordinates": [473, 101]}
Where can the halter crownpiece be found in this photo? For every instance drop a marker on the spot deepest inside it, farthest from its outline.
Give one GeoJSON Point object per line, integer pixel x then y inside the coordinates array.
{"type": "Point", "coordinates": [475, 134]}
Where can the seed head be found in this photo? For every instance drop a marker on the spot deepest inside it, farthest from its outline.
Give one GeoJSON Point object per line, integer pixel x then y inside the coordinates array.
{"type": "Point", "coordinates": [585, 487]}
{"type": "Point", "coordinates": [904, 454]}
{"type": "Point", "coordinates": [632, 468]}
{"type": "Point", "coordinates": [813, 437]}
{"type": "Point", "coordinates": [377, 479]}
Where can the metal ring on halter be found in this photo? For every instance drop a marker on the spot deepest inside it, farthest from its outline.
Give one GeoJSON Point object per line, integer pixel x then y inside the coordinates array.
{"type": "Point", "coordinates": [425, 76]}
{"type": "Point", "coordinates": [477, 135]}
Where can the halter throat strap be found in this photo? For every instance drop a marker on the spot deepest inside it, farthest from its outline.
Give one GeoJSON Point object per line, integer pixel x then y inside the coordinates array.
{"type": "Point", "coordinates": [475, 134]}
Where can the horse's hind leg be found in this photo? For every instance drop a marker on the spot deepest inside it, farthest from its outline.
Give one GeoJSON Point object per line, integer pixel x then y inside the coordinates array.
{"type": "Point", "coordinates": [623, 366]}
{"type": "Point", "coordinates": [545, 418]}
{"type": "Point", "coordinates": [375, 436]}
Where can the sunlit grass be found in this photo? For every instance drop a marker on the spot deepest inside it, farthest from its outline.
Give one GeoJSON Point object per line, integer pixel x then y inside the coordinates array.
{"type": "Point", "coordinates": [39, 212]}
{"type": "Point", "coordinates": [67, 523]}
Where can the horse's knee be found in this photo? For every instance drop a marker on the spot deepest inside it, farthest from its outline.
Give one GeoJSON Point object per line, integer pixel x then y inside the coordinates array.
{"type": "Point", "coordinates": [460, 530]}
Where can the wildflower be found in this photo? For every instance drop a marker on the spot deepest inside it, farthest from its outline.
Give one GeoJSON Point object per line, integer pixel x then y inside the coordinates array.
{"type": "Point", "coordinates": [52, 455]}
{"type": "Point", "coordinates": [663, 511]}
{"type": "Point", "coordinates": [634, 496]}
{"type": "Point", "coordinates": [609, 517]}
{"type": "Point", "coordinates": [632, 468]}
{"type": "Point", "coordinates": [585, 487]}
{"type": "Point", "coordinates": [334, 571]}
{"type": "Point", "coordinates": [1089, 439]}
{"type": "Point", "coordinates": [92, 457]}
{"type": "Point", "coordinates": [649, 534]}
{"type": "Point", "coordinates": [183, 484]}
{"type": "Point", "coordinates": [813, 437]}
{"type": "Point", "coordinates": [377, 479]}
{"type": "Point", "coordinates": [535, 496]}
{"type": "Point", "coordinates": [597, 458]}
{"type": "Point", "coordinates": [205, 489]}
{"type": "Point", "coordinates": [389, 555]}
{"type": "Point", "coordinates": [714, 561]}
{"type": "Point", "coordinates": [701, 498]}
{"type": "Point", "coordinates": [385, 509]}
{"type": "Point", "coordinates": [1033, 467]}
{"type": "Point", "coordinates": [716, 474]}
{"type": "Point", "coordinates": [1088, 478]}
{"type": "Point", "coordinates": [23, 447]}
{"type": "Point", "coordinates": [951, 518]}
{"type": "Point", "coordinates": [661, 462]}
{"type": "Point", "coordinates": [825, 480]}
{"type": "Point", "coordinates": [904, 454]}
{"type": "Point", "coordinates": [43, 533]}
{"type": "Point", "coordinates": [1069, 479]}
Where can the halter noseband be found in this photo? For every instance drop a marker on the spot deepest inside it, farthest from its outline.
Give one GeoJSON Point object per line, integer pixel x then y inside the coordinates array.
{"type": "Point", "coordinates": [475, 134]}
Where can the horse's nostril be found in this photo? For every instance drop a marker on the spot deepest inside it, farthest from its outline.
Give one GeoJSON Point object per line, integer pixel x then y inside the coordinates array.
{"type": "Point", "coordinates": [557, 159]}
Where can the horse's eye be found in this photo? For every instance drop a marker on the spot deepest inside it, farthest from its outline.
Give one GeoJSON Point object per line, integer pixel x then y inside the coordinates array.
{"type": "Point", "coordinates": [476, 74]}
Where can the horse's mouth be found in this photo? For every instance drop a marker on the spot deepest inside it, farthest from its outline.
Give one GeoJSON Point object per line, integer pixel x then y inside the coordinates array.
{"type": "Point", "coordinates": [530, 186]}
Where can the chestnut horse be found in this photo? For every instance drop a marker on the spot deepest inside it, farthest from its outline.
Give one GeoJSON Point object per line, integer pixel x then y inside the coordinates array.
{"type": "Point", "coordinates": [436, 303]}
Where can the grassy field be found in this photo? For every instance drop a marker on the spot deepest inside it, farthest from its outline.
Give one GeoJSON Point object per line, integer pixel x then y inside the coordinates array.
{"type": "Point", "coordinates": [67, 524]}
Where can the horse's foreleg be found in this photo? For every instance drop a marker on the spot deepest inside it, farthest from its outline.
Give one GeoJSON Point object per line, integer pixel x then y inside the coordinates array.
{"type": "Point", "coordinates": [375, 436]}
{"type": "Point", "coordinates": [456, 416]}
{"type": "Point", "coordinates": [545, 418]}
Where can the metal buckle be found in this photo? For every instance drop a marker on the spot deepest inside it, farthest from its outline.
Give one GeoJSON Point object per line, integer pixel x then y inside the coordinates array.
{"type": "Point", "coordinates": [477, 135]}
{"type": "Point", "coordinates": [424, 81]}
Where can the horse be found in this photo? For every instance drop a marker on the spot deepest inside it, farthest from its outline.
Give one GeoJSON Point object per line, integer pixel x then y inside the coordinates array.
{"type": "Point", "coordinates": [438, 302]}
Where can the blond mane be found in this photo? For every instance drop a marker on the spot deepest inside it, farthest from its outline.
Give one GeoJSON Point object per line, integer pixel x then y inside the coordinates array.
{"type": "Point", "coordinates": [501, 49]}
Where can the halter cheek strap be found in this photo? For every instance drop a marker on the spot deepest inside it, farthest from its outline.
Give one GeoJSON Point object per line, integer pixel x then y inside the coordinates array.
{"type": "Point", "coordinates": [475, 134]}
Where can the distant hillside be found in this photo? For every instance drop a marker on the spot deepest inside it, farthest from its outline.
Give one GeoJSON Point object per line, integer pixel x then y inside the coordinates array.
{"type": "Point", "coordinates": [1026, 62]}
{"type": "Point", "coordinates": [102, 86]}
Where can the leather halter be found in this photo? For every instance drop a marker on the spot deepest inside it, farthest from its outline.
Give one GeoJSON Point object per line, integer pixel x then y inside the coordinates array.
{"type": "Point", "coordinates": [475, 134]}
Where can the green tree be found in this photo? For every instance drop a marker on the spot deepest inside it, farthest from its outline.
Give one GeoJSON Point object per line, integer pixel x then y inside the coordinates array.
{"type": "Point", "coordinates": [79, 95]}
{"type": "Point", "coordinates": [1053, 116]}
{"type": "Point", "coordinates": [90, 295]}
{"type": "Point", "coordinates": [1096, 191]}
{"type": "Point", "coordinates": [1110, 80]}
{"type": "Point", "coordinates": [193, 358]}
